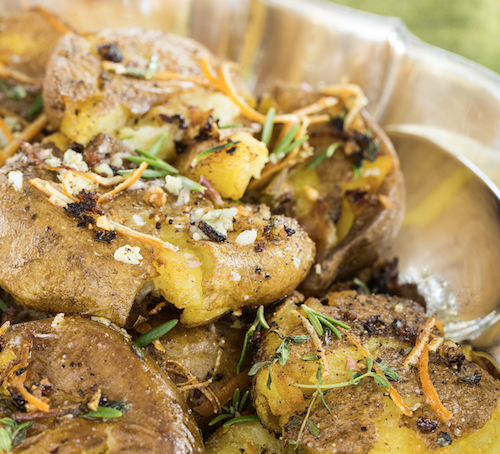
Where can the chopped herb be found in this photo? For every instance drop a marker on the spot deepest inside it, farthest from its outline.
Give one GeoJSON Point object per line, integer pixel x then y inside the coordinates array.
{"type": "Point", "coordinates": [3, 306]}
{"type": "Point", "coordinates": [313, 428]}
{"type": "Point", "coordinates": [235, 125]}
{"type": "Point", "coordinates": [281, 355]}
{"type": "Point", "coordinates": [279, 151]}
{"type": "Point", "coordinates": [471, 379]}
{"type": "Point", "coordinates": [137, 351]}
{"type": "Point", "coordinates": [390, 373]}
{"type": "Point", "coordinates": [259, 322]}
{"type": "Point", "coordinates": [36, 107]}
{"type": "Point", "coordinates": [317, 320]}
{"type": "Point", "coordinates": [233, 412]}
{"type": "Point", "coordinates": [212, 149]}
{"type": "Point", "coordinates": [157, 145]}
{"type": "Point", "coordinates": [148, 173]}
{"type": "Point", "coordinates": [361, 284]}
{"type": "Point", "coordinates": [13, 433]}
{"type": "Point", "coordinates": [267, 129]}
{"type": "Point", "coordinates": [310, 357]}
{"type": "Point", "coordinates": [325, 154]}
{"type": "Point", "coordinates": [17, 92]}
{"type": "Point", "coordinates": [147, 73]}
{"type": "Point", "coordinates": [131, 136]}
{"type": "Point", "coordinates": [155, 333]}
{"type": "Point", "coordinates": [368, 132]}
{"type": "Point", "coordinates": [356, 170]}
{"type": "Point", "coordinates": [152, 67]}
{"type": "Point", "coordinates": [104, 413]}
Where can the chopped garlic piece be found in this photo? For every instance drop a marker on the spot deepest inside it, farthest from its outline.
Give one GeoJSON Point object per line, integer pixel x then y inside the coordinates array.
{"type": "Point", "coordinates": [16, 179]}
{"type": "Point", "coordinates": [105, 169]}
{"type": "Point", "coordinates": [246, 237]}
{"type": "Point", "coordinates": [75, 161]}
{"type": "Point", "coordinates": [296, 262]}
{"type": "Point", "coordinates": [173, 184]}
{"type": "Point", "coordinates": [128, 254]}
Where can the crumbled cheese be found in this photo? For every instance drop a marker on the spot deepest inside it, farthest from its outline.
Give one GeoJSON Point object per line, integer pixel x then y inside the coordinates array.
{"type": "Point", "coordinates": [116, 161]}
{"type": "Point", "coordinates": [52, 161]}
{"type": "Point", "coordinates": [16, 179]}
{"type": "Point", "coordinates": [79, 183]}
{"type": "Point", "coordinates": [371, 172]}
{"type": "Point", "coordinates": [317, 268]}
{"type": "Point", "coordinates": [75, 161]}
{"type": "Point", "coordinates": [105, 169]}
{"type": "Point", "coordinates": [128, 254]}
{"type": "Point", "coordinates": [58, 319]}
{"type": "Point", "coordinates": [235, 277]}
{"type": "Point", "coordinates": [102, 222]}
{"type": "Point", "coordinates": [221, 220]}
{"type": "Point", "coordinates": [246, 237]}
{"type": "Point", "coordinates": [399, 307]}
{"type": "Point", "coordinates": [296, 262]}
{"type": "Point", "coordinates": [173, 184]}
{"type": "Point", "coordinates": [197, 236]}
{"type": "Point", "coordinates": [138, 220]}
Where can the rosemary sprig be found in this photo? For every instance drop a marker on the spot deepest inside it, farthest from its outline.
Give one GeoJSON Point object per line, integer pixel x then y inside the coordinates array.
{"type": "Point", "coordinates": [17, 92]}
{"type": "Point", "coordinates": [267, 129]}
{"type": "Point", "coordinates": [281, 355]}
{"type": "Point", "coordinates": [151, 156]}
{"type": "Point", "coordinates": [361, 284]}
{"type": "Point", "coordinates": [36, 107]}
{"type": "Point", "coordinates": [354, 379]}
{"type": "Point", "coordinates": [13, 433]}
{"type": "Point", "coordinates": [155, 333]}
{"type": "Point", "coordinates": [233, 412]}
{"type": "Point", "coordinates": [212, 149]}
{"type": "Point", "coordinates": [317, 320]}
{"type": "Point", "coordinates": [235, 125]}
{"type": "Point", "coordinates": [259, 322]}
{"type": "Point", "coordinates": [325, 154]}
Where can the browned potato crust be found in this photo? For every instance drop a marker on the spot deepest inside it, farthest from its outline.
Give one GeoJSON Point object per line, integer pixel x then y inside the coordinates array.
{"type": "Point", "coordinates": [78, 357]}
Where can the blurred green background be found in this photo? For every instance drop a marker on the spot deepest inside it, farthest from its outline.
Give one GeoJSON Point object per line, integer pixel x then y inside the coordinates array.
{"type": "Point", "coordinates": [467, 27]}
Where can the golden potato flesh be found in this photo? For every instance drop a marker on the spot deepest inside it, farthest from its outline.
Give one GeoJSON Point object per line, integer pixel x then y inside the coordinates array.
{"type": "Point", "coordinates": [73, 366]}
{"type": "Point", "coordinates": [363, 418]}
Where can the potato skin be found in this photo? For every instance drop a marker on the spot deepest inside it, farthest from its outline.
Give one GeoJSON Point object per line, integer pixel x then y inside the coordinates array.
{"type": "Point", "coordinates": [79, 356]}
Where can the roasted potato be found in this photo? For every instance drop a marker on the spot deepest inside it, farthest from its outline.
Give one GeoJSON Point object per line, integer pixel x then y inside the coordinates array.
{"type": "Point", "coordinates": [350, 203]}
{"type": "Point", "coordinates": [396, 408]}
{"type": "Point", "coordinates": [246, 438]}
{"type": "Point", "coordinates": [73, 366]}
{"type": "Point", "coordinates": [204, 261]}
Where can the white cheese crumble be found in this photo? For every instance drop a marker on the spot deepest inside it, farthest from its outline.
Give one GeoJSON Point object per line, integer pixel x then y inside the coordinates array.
{"type": "Point", "coordinates": [317, 268]}
{"type": "Point", "coordinates": [79, 183]}
{"type": "Point", "coordinates": [399, 308]}
{"type": "Point", "coordinates": [16, 179]}
{"type": "Point", "coordinates": [105, 169]}
{"type": "Point", "coordinates": [116, 161]}
{"type": "Point", "coordinates": [103, 223]}
{"type": "Point", "coordinates": [235, 277]}
{"type": "Point", "coordinates": [371, 172]}
{"type": "Point", "coordinates": [75, 161]}
{"type": "Point", "coordinates": [58, 319]}
{"type": "Point", "coordinates": [128, 254]}
{"type": "Point", "coordinates": [52, 161]}
{"type": "Point", "coordinates": [220, 220]}
{"type": "Point", "coordinates": [197, 236]}
{"type": "Point", "coordinates": [246, 237]}
{"type": "Point", "coordinates": [138, 220]}
{"type": "Point", "coordinates": [296, 262]}
{"type": "Point", "coordinates": [173, 184]}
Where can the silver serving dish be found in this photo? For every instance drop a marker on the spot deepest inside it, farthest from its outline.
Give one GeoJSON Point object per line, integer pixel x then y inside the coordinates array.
{"type": "Point", "coordinates": [442, 112]}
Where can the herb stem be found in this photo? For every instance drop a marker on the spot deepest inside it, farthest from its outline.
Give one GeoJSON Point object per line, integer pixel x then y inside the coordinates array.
{"type": "Point", "coordinates": [325, 154]}
{"type": "Point", "coordinates": [267, 129]}
{"type": "Point", "coordinates": [155, 333]}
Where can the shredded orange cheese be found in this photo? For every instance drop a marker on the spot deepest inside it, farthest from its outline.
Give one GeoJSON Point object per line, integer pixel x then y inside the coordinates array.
{"type": "Point", "coordinates": [422, 340]}
{"type": "Point", "coordinates": [35, 401]}
{"type": "Point", "coordinates": [126, 184]}
{"type": "Point", "coordinates": [430, 392]}
{"type": "Point", "coordinates": [27, 134]}
{"type": "Point", "coordinates": [396, 398]}
{"type": "Point", "coordinates": [6, 131]}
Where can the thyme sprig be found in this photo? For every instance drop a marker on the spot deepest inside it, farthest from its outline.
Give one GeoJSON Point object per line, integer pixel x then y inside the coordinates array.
{"type": "Point", "coordinates": [13, 433]}
{"type": "Point", "coordinates": [212, 149]}
{"type": "Point", "coordinates": [267, 129]}
{"type": "Point", "coordinates": [390, 373]}
{"type": "Point", "coordinates": [318, 320]}
{"type": "Point", "coordinates": [259, 322]}
{"type": "Point", "coordinates": [281, 355]}
{"type": "Point", "coordinates": [233, 412]}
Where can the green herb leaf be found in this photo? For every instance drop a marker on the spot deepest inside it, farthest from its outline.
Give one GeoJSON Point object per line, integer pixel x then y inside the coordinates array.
{"type": "Point", "coordinates": [267, 129]}
{"type": "Point", "coordinates": [9, 422]}
{"type": "Point", "coordinates": [148, 173]}
{"type": "Point", "coordinates": [153, 162]}
{"type": "Point", "coordinates": [389, 373]}
{"type": "Point", "coordinates": [259, 319]}
{"type": "Point", "coordinates": [295, 144]}
{"type": "Point", "coordinates": [326, 321]}
{"type": "Point", "coordinates": [356, 170]}
{"type": "Point", "coordinates": [152, 67]}
{"type": "Point", "coordinates": [6, 439]}
{"type": "Point", "coordinates": [361, 284]}
{"type": "Point", "coordinates": [381, 381]}
{"type": "Point", "coordinates": [369, 364]}
{"type": "Point", "coordinates": [104, 413]}
{"type": "Point", "coordinates": [219, 418]}
{"type": "Point", "coordinates": [313, 428]}
{"type": "Point", "coordinates": [157, 145]}
{"type": "Point", "coordinates": [235, 125]}
{"type": "Point", "coordinates": [35, 108]}
{"type": "Point", "coordinates": [325, 154]}
{"type": "Point", "coordinates": [283, 352]}
{"type": "Point", "coordinates": [155, 333]}
{"type": "Point", "coordinates": [17, 92]}
{"type": "Point", "coordinates": [256, 367]}
{"type": "Point", "coordinates": [131, 136]}
{"type": "Point", "coordinates": [239, 419]}
{"type": "Point", "coordinates": [212, 149]}
{"type": "Point", "coordinates": [13, 434]}
{"type": "Point", "coordinates": [299, 339]}
{"type": "Point", "coordinates": [192, 185]}
{"type": "Point", "coordinates": [3, 306]}
{"type": "Point", "coordinates": [285, 142]}
{"type": "Point", "coordinates": [309, 357]}
{"type": "Point", "coordinates": [294, 423]}
{"type": "Point", "coordinates": [243, 402]}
